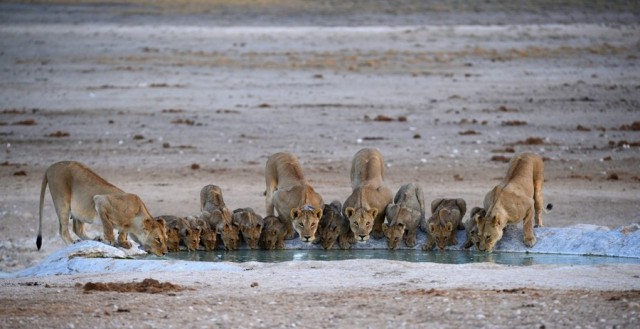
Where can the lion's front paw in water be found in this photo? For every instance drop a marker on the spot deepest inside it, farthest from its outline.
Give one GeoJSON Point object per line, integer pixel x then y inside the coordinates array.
{"type": "Point", "coordinates": [530, 241]}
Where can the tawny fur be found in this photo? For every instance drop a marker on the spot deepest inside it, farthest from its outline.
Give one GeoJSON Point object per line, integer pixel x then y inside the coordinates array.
{"type": "Point", "coordinates": [471, 228]}
{"type": "Point", "coordinates": [273, 233]}
{"type": "Point", "coordinates": [365, 207]}
{"type": "Point", "coordinates": [289, 193]}
{"type": "Point", "coordinates": [404, 216]}
{"type": "Point", "coordinates": [250, 225]}
{"type": "Point", "coordinates": [189, 237]}
{"type": "Point", "coordinates": [446, 219]}
{"type": "Point", "coordinates": [334, 227]}
{"type": "Point", "coordinates": [517, 198]}
{"type": "Point", "coordinates": [80, 194]}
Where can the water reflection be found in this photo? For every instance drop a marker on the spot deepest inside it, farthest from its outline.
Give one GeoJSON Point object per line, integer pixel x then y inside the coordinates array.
{"type": "Point", "coordinates": [441, 257]}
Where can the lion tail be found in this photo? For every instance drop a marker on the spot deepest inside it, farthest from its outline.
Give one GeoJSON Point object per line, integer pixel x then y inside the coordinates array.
{"type": "Point", "coordinates": [549, 207]}
{"type": "Point", "coordinates": [43, 189]}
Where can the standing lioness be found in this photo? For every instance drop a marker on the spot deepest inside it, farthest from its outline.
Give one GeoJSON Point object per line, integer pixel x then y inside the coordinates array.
{"type": "Point", "coordinates": [365, 207]}
{"type": "Point", "coordinates": [515, 199]}
{"type": "Point", "coordinates": [80, 194]}
{"type": "Point", "coordinates": [292, 196]}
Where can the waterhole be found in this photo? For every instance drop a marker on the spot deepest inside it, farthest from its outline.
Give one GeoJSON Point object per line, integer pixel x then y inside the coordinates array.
{"type": "Point", "coordinates": [442, 257]}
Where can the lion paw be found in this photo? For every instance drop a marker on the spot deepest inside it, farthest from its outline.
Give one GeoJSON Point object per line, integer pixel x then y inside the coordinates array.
{"type": "Point", "coordinates": [427, 247]}
{"type": "Point", "coordinates": [410, 242]}
{"type": "Point", "coordinates": [125, 244]}
{"type": "Point", "coordinates": [530, 241]}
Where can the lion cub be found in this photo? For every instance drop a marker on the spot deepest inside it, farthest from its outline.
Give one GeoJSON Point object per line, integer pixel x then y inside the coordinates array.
{"type": "Point", "coordinates": [404, 216]}
{"type": "Point", "coordinates": [365, 207]}
{"type": "Point", "coordinates": [334, 227]}
{"type": "Point", "coordinates": [228, 230]}
{"type": "Point", "coordinates": [173, 234]}
{"type": "Point", "coordinates": [446, 218]}
{"type": "Point", "coordinates": [273, 233]}
{"type": "Point", "coordinates": [208, 234]}
{"type": "Point", "coordinates": [517, 198]}
{"type": "Point", "coordinates": [189, 237]}
{"type": "Point", "coordinates": [250, 225]}
{"type": "Point", "coordinates": [471, 227]}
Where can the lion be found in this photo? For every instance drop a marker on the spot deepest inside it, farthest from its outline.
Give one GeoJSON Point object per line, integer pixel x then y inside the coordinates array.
{"type": "Point", "coordinates": [189, 237]}
{"type": "Point", "coordinates": [80, 194]}
{"type": "Point", "coordinates": [365, 207]}
{"type": "Point", "coordinates": [173, 235]}
{"type": "Point", "coordinates": [446, 219]}
{"type": "Point", "coordinates": [404, 216]}
{"type": "Point", "coordinates": [471, 228]}
{"type": "Point", "coordinates": [292, 196]}
{"type": "Point", "coordinates": [222, 222]}
{"type": "Point", "coordinates": [334, 227]}
{"type": "Point", "coordinates": [250, 225]}
{"type": "Point", "coordinates": [517, 198]}
{"type": "Point", "coordinates": [208, 234]}
{"type": "Point", "coordinates": [273, 233]}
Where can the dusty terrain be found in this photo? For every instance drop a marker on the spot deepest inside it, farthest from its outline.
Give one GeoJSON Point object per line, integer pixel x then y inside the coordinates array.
{"type": "Point", "coordinates": [162, 100]}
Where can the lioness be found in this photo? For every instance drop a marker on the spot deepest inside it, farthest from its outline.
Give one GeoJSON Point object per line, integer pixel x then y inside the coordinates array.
{"type": "Point", "coordinates": [250, 225]}
{"type": "Point", "coordinates": [446, 218]}
{"type": "Point", "coordinates": [80, 194]}
{"type": "Point", "coordinates": [292, 196]}
{"type": "Point", "coordinates": [404, 216]}
{"type": "Point", "coordinates": [365, 207]}
{"type": "Point", "coordinates": [273, 233]}
{"type": "Point", "coordinates": [517, 198]}
{"type": "Point", "coordinates": [334, 227]}
{"type": "Point", "coordinates": [471, 228]}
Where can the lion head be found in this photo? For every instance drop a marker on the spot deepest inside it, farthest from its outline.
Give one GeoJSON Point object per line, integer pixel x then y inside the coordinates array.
{"type": "Point", "coordinates": [489, 231]}
{"type": "Point", "coordinates": [330, 226]}
{"type": "Point", "coordinates": [273, 233]}
{"type": "Point", "coordinates": [305, 221]}
{"type": "Point", "coordinates": [190, 236]}
{"type": "Point", "coordinates": [361, 221]}
{"type": "Point", "coordinates": [441, 226]}
{"type": "Point", "coordinates": [230, 236]}
{"type": "Point", "coordinates": [156, 241]}
{"type": "Point", "coordinates": [394, 233]}
{"type": "Point", "coordinates": [173, 238]}
{"type": "Point", "coordinates": [250, 225]}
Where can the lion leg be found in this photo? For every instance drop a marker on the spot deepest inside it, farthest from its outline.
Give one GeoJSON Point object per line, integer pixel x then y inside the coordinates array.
{"type": "Point", "coordinates": [123, 240]}
{"type": "Point", "coordinates": [538, 181]}
{"type": "Point", "coordinates": [527, 230]}
{"type": "Point", "coordinates": [453, 239]}
{"type": "Point", "coordinates": [410, 237]}
{"type": "Point", "coordinates": [63, 209]}
{"type": "Point", "coordinates": [107, 224]}
{"type": "Point", "coordinates": [79, 229]}
{"type": "Point", "coordinates": [427, 246]}
{"type": "Point", "coordinates": [377, 231]}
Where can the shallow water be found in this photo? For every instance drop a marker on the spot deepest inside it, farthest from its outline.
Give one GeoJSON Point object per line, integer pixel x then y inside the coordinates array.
{"type": "Point", "coordinates": [441, 257]}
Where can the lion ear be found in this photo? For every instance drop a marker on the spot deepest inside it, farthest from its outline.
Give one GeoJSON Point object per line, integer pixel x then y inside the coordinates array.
{"type": "Point", "coordinates": [434, 204]}
{"type": "Point", "coordinates": [449, 226]}
{"type": "Point", "coordinates": [463, 206]}
{"type": "Point", "coordinates": [295, 212]}
{"type": "Point", "coordinates": [318, 213]}
{"type": "Point", "coordinates": [373, 212]}
{"type": "Point", "coordinates": [385, 228]}
{"type": "Point", "coordinates": [349, 211]}
{"type": "Point", "coordinates": [162, 223]}
{"type": "Point", "coordinates": [147, 224]}
{"type": "Point", "coordinates": [432, 227]}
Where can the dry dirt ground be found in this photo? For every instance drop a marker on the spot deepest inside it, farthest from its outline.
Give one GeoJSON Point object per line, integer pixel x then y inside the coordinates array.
{"type": "Point", "coordinates": [162, 99]}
